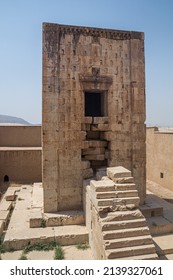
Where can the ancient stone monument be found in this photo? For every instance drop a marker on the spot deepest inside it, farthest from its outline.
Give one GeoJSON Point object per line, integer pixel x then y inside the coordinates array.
{"type": "Point", "coordinates": [93, 109]}
{"type": "Point", "coordinates": [93, 139]}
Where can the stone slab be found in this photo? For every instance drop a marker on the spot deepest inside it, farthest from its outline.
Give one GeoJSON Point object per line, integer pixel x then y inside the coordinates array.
{"type": "Point", "coordinates": [97, 144]}
{"type": "Point", "coordinates": [36, 218]}
{"type": "Point", "coordinates": [124, 180]}
{"type": "Point", "coordinates": [11, 193]}
{"type": "Point", "coordinates": [100, 120]}
{"type": "Point", "coordinates": [73, 217]}
{"type": "Point", "coordinates": [5, 205]}
{"type": "Point", "coordinates": [102, 185]}
{"type": "Point", "coordinates": [37, 196]}
{"type": "Point", "coordinates": [164, 244]}
{"type": "Point", "coordinates": [73, 234]}
{"type": "Point", "coordinates": [118, 172]}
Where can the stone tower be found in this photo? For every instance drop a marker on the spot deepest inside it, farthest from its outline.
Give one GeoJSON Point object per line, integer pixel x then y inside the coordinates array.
{"type": "Point", "coordinates": [93, 109]}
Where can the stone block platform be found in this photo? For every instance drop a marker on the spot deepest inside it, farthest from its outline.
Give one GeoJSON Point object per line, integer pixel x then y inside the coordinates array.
{"type": "Point", "coordinates": [28, 224]}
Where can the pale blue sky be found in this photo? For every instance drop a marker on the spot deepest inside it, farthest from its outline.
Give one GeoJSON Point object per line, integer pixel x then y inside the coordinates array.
{"type": "Point", "coordinates": [21, 48]}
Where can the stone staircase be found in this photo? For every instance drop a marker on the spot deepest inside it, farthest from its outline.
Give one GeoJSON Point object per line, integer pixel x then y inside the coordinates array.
{"type": "Point", "coordinates": [123, 228]}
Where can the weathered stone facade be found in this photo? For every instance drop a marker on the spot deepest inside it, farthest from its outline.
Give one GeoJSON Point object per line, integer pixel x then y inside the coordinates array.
{"type": "Point", "coordinates": [93, 109]}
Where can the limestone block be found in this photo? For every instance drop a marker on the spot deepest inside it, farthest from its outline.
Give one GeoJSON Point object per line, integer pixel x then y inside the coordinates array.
{"type": "Point", "coordinates": [71, 235]}
{"type": "Point", "coordinates": [100, 120]}
{"type": "Point", "coordinates": [87, 173]}
{"type": "Point", "coordinates": [10, 194]}
{"type": "Point", "coordinates": [36, 218]}
{"type": "Point", "coordinates": [93, 151]}
{"type": "Point", "coordinates": [84, 144]}
{"type": "Point", "coordinates": [37, 196]}
{"type": "Point", "coordinates": [74, 201]}
{"type": "Point", "coordinates": [93, 134]}
{"type": "Point", "coordinates": [97, 144]}
{"type": "Point", "coordinates": [100, 127]}
{"type": "Point", "coordinates": [5, 205]}
{"type": "Point", "coordinates": [64, 218]}
{"type": "Point", "coordinates": [50, 200]}
{"type": "Point", "coordinates": [72, 191]}
{"type": "Point", "coordinates": [85, 127]}
{"type": "Point", "coordinates": [87, 120]}
{"type": "Point", "coordinates": [4, 218]}
{"type": "Point", "coordinates": [95, 157]}
{"type": "Point", "coordinates": [124, 180]}
{"type": "Point", "coordinates": [118, 172]}
{"type": "Point", "coordinates": [85, 164]}
{"type": "Point", "coordinates": [102, 185]}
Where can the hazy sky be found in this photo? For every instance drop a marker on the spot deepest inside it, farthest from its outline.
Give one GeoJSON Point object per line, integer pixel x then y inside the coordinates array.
{"type": "Point", "coordinates": [21, 48]}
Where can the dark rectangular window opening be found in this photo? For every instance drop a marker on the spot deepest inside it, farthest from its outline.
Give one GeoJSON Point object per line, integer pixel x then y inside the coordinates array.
{"type": "Point", "coordinates": [95, 105]}
{"type": "Point", "coordinates": [161, 175]}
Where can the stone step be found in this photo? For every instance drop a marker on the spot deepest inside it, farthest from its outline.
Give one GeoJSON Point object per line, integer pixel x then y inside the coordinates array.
{"type": "Point", "coordinates": [63, 235]}
{"type": "Point", "coordinates": [118, 201]}
{"type": "Point", "coordinates": [130, 251]}
{"type": "Point", "coordinates": [113, 234]}
{"type": "Point", "coordinates": [115, 225]}
{"type": "Point", "coordinates": [117, 194]}
{"type": "Point", "coordinates": [102, 185]}
{"type": "Point", "coordinates": [121, 215]}
{"type": "Point", "coordinates": [127, 242]}
{"type": "Point", "coordinates": [124, 180]}
{"type": "Point", "coordinates": [127, 193]}
{"type": "Point", "coordinates": [125, 187]}
{"type": "Point", "coordinates": [118, 172]}
{"type": "Point", "coordinates": [142, 257]}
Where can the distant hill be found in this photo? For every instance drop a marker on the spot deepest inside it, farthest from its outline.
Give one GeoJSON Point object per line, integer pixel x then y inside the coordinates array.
{"type": "Point", "coordinates": [12, 120]}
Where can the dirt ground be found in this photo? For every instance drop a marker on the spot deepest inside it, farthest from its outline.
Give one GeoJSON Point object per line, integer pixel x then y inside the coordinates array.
{"type": "Point", "coordinates": [70, 253]}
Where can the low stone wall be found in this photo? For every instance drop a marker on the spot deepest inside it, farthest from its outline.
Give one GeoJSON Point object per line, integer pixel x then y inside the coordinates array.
{"type": "Point", "coordinates": [20, 165]}
{"type": "Point", "coordinates": [160, 156]}
{"type": "Point", "coordinates": [20, 136]}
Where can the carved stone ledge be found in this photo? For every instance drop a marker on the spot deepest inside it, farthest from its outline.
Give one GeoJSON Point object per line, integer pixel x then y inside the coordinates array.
{"type": "Point", "coordinates": [94, 32]}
